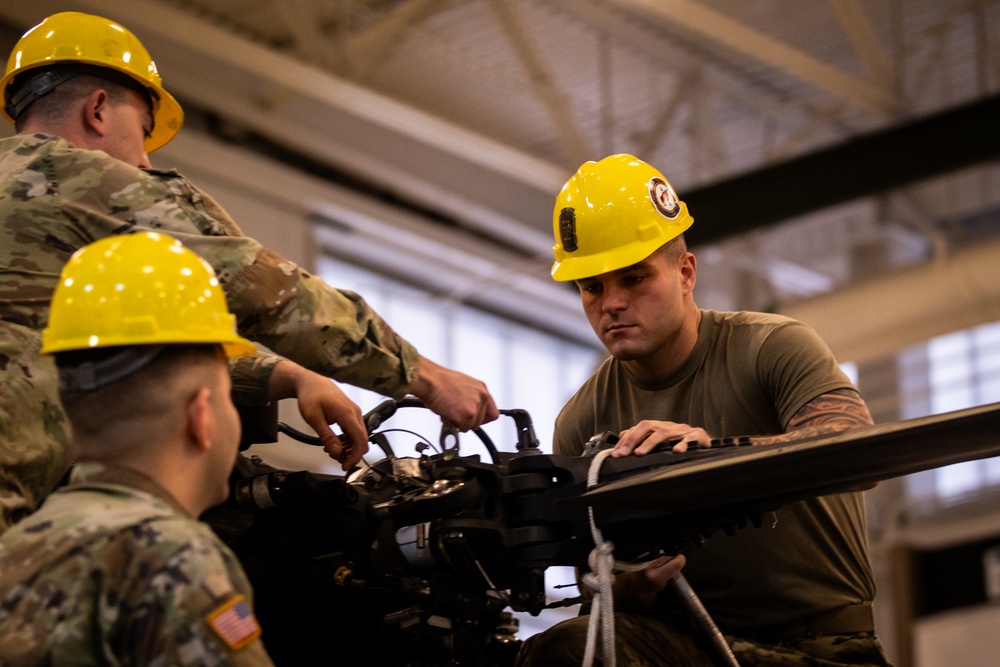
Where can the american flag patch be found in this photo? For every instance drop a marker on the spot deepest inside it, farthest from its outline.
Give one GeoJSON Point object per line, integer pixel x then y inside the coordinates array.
{"type": "Point", "coordinates": [235, 623]}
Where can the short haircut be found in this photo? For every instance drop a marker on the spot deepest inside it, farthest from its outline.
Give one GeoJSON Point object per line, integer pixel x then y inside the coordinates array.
{"type": "Point", "coordinates": [673, 249]}
{"type": "Point", "coordinates": [123, 412]}
{"type": "Point", "coordinates": [52, 106]}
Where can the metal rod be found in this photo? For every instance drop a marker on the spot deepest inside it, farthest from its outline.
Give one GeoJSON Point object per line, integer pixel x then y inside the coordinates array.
{"type": "Point", "coordinates": [720, 652]}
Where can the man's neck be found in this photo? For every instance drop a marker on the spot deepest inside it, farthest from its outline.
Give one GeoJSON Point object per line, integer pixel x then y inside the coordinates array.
{"type": "Point", "coordinates": [54, 130]}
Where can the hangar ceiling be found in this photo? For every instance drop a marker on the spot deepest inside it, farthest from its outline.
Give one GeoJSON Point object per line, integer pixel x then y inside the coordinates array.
{"type": "Point", "coordinates": [819, 144]}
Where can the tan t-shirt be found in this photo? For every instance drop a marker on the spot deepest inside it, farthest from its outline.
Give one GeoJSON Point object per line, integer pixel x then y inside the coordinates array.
{"type": "Point", "coordinates": [748, 374]}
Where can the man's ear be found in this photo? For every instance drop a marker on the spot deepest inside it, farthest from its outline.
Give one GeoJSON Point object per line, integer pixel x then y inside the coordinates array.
{"type": "Point", "coordinates": [93, 110]}
{"type": "Point", "coordinates": [689, 271]}
{"type": "Point", "coordinates": [199, 419]}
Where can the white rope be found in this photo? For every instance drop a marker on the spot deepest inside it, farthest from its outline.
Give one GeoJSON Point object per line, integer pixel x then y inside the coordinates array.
{"type": "Point", "coordinates": [600, 579]}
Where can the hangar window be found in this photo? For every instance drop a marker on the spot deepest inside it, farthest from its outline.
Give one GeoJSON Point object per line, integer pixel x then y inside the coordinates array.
{"type": "Point", "coordinates": [523, 367]}
{"type": "Point", "coordinates": [952, 372]}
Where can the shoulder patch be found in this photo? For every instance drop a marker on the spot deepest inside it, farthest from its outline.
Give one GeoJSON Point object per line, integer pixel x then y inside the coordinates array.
{"type": "Point", "coordinates": [235, 623]}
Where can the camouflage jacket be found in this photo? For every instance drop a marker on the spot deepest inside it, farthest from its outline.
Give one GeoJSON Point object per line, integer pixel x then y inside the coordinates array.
{"type": "Point", "coordinates": [110, 570]}
{"type": "Point", "coordinates": [55, 198]}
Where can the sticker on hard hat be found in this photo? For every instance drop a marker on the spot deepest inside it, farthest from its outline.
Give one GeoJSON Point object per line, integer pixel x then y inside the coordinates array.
{"type": "Point", "coordinates": [567, 229]}
{"type": "Point", "coordinates": [664, 198]}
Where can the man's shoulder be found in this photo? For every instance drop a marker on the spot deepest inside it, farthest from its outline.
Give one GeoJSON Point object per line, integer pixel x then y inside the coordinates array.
{"type": "Point", "coordinates": [744, 328]}
{"type": "Point", "coordinates": [748, 319]}
{"type": "Point", "coordinates": [98, 514]}
{"type": "Point", "coordinates": [29, 143]}
{"type": "Point", "coordinates": [50, 146]}
{"type": "Point", "coordinates": [153, 526]}
{"type": "Point", "coordinates": [745, 332]}
{"type": "Point", "coordinates": [140, 533]}
{"type": "Point", "coordinates": [46, 163]}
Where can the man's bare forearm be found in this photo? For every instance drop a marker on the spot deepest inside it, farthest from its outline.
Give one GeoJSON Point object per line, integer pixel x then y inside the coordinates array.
{"type": "Point", "coordinates": [834, 412]}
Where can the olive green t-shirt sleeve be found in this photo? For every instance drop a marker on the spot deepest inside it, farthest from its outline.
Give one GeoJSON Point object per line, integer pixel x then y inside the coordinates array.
{"type": "Point", "coordinates": [795, 366]}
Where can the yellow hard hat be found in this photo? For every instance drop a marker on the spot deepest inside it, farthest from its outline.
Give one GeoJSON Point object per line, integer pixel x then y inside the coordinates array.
{"type": "Point", "coordinates": [612, 214]}
{"type": "Point", "coordinates": [139, 289]}
{"type": "Point", "coordinates": [73, 37]}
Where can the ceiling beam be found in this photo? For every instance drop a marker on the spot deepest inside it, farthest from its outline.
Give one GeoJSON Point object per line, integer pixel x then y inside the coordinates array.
{"type": "Point", "coordinates": [864, 166]}
{"type": "Point", "coordinates": [651, 140]}
{"type": "Point", "coordinates": [717, 26]}
{"type": "Point", "coordinates": [302, 24]}
{"type": "Point", "coordinates": [577, 146]}
{"type": "Point", "coordinates": [373, 46]}
{"type": "Point", "coordinates": [669, 56]}
{"type": "Point", "coordinates": [861, 32]}
{"type": "Point", "coordinates": [757, 96]}
{"type": "Point", "coordinates": [176, 36]}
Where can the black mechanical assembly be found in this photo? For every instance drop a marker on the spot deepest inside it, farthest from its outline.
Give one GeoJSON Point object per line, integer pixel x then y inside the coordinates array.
{"type": "Point", "coordinates": [418, 561]}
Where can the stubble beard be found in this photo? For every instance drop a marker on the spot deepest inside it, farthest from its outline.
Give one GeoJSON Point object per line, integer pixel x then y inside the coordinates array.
{"type": "Point", "coordinates": [625, 348]}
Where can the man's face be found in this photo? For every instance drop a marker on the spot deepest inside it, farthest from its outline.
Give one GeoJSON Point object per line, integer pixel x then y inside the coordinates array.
{"type": "Point", "coordinates": [638, 311]}
{"type": "Point", "coordinates": [129, 121]}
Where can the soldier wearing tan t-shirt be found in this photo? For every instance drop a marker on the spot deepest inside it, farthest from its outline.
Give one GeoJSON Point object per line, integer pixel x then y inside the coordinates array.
{"type": "Point", "coordinates": [797, 590]}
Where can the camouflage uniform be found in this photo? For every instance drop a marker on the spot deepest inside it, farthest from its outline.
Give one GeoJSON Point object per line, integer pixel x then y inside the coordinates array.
{"type": "Point", "coordinates": [56, 198]}
{"type": "Point", "coordinates": [111, 570]}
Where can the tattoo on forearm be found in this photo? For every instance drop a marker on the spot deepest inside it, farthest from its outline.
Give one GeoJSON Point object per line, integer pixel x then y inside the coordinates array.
{"type": "Point", "coordinates": [833, 412]}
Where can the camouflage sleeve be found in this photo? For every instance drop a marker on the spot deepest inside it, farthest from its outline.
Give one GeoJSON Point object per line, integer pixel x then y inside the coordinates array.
{"type": "Point", "coordinates": [332, 332]}
{"type": "Point", "coordinates": [251, 377]}
{"type": "Point", "coordinates": [33, 429]}
{"type": "Point", "coordinates": [277, 303]}
{"type": "Point", "coordinates": [194, 605]}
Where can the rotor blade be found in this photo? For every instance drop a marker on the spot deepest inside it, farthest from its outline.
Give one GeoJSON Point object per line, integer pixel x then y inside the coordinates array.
{"type": "Point", "coordinates": [773, 475]}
